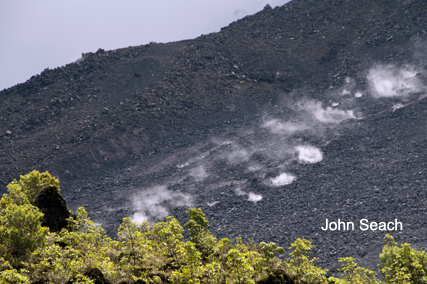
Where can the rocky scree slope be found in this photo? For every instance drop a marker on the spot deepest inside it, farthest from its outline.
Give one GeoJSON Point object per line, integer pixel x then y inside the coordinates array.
{"type": "Point", "coordinates": [112, 120]}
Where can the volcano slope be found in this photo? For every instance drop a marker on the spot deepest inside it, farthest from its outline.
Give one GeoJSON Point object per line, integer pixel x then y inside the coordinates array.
{"type": "Point", "coordinates": [311, 111]}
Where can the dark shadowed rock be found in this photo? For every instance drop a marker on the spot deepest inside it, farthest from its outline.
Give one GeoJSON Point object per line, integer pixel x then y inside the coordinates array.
{"type": "Point", "coordinates": [40, 282]}
{"type": "Point", "coordinates": [96, 275]}
{"type": "Point", "coordinates": [55, 210]}
{"type": "Point", "coordinates": [277, 277]}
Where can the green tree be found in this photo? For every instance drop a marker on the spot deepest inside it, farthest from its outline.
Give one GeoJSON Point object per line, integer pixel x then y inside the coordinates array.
{"type": "Point", "coordinates": [268, 254]}
{"type": "Point", "coordinates": [167, 242]}
{"type": "Point", "coordinates": [135, 247]}
{"type": "Point", "coordinates": [70, 253]}
{"type": "Point", "coordinates": [31, 184]}
{"type": "Point", "coordinates": [20, 231]}
{"type": "Point", "coordinates": [353, 274]}
{"type": "Point", "coordinates": [15, 196]}
{"type": "Point", "coordinates": [301, 266]}
{"type": "Point", "coordinates": [192, 271]}
{"type": "Point", "coordinates": [12, 276]}
{"type": "Point", "coordinates": [402, 264]}
{"type": "Point", "coordinates": [199, 234]}
{"type": "Point", "coordinates": [242, 266]}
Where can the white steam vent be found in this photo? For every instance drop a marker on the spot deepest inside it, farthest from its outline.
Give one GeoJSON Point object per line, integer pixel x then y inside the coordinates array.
{"type": "Point", "coordinates": [389, 81]}
{"type": "Point", "coordinates": [152, 204]}
{"type": "Point", "coordinates": [254, 197]}
{"type": "Point", "coordinates": [309, 154]}
{"type": "Point", "coordinates": [278, 127]}
{"type": "Point", "coordinates": [238, 155]}
{"type": "Point", "coordinates": [199, 173]}
{"type": "Point", "coordinates": [282, 179]}
{"type": "Point", "coordinates": [331, 115]}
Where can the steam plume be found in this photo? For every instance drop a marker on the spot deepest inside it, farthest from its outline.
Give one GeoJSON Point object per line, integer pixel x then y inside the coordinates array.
{"type": "Point", "coordinates": [389, 81]}
{"type": "Point", "coordinates": [309, 154]}
{"type": "Point", "coordinates": [278, 127]}
{"type": "Point", "coordinates": [282, 179]}
{"type": "Point", "coordinates": [329, 115]}
{"type": "Point", "coordinates": [152, 204]}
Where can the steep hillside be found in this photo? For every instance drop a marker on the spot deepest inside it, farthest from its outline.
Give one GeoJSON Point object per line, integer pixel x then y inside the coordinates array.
{"type": "Point", "coordinates": [308, 111]}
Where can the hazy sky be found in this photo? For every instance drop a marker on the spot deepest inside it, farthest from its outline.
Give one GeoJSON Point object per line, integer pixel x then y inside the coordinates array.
{"type": "Point", "coordinates": [39, 34]}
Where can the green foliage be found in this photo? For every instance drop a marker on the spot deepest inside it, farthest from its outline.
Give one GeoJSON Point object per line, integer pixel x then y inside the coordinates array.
{"type": "Point", "coordinates": [70, 253]}
{"type": "Point", "coordinates": [199, 234]}
{"type": "Point", "coordinates": [268, 254]}
{"type": "Point", "coordinates": [15, 196]}
{"type": "Point", "coordinates": [301, 267]}
{"type": "Point", "coordinates": [402, 264]}
{"type": "Point", "coordinates": [11, 276]}
{"type": "Point", "coordinates": [192, 270]}
{"type": "Point", "coordinates": [134, 246]}
{"type": "Point", "coordinates": [354, 274]}
{"type": "Point", "coordinates": [166, 237]}
{"type": "Point", "coordinates": [31, 184]}
{"type": "Point", "coordinates": [20, 222]}
{"type": "Point", "coordinates": [243, 265]}
{"type": "Point", "coordinates": [20, 231]}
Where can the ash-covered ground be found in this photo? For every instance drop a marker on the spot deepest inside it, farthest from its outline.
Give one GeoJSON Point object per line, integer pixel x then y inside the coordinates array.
{"type": "Point", "coordinates": [311, 111]}
{"type": "Point", "coordinates": [352, 152]}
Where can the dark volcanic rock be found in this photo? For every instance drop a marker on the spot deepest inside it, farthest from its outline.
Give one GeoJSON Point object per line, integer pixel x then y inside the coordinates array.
{"type": "Point", "coordinates": [277, 277]}
{"type": "Point", "coordinates": [271, 126]}
{"type": "Point", "coordinates": [54, 208]}
{"type": "Point", "coordinates": [96, 275]}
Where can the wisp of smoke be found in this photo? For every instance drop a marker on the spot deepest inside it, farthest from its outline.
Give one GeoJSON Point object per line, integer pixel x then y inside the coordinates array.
{"type": "Point", "coordinates": [199, 173]}
{"type": "Point", "coordinates": [389, 81]}
{"type": "Point", "coordinates": [238, 191]}
{"type": "Point", "coordinates": [238, 155]}
{"type": "Point", "coordinates": [397, 106]}
{"type": "Point", "coordinates": [255, 168]}
{"type": "Point", "coordinates": [278, 127]}
{"type": "Point", "coordinates": [152, 204]}
{"type": "Point", "coordinates": [282, 179]}
{"type": "Point", "coordinates": [328, 115]}
{"type": "Point", "coordinates": [309, 154]}
{"type": "Point", "coordinates": [251, 196]}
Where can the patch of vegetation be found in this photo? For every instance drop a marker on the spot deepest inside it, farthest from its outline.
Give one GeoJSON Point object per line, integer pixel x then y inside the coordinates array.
{"type": "Point", "coordinates": [159, 253]}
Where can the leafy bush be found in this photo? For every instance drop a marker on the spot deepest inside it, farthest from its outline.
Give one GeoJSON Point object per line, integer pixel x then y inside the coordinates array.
{"type": "Point", "coordinates": [402, 264]}
{"type": "Point", "coordinates": [31, 184]}
{"type": "Point", "coordinates": [301, 266]}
